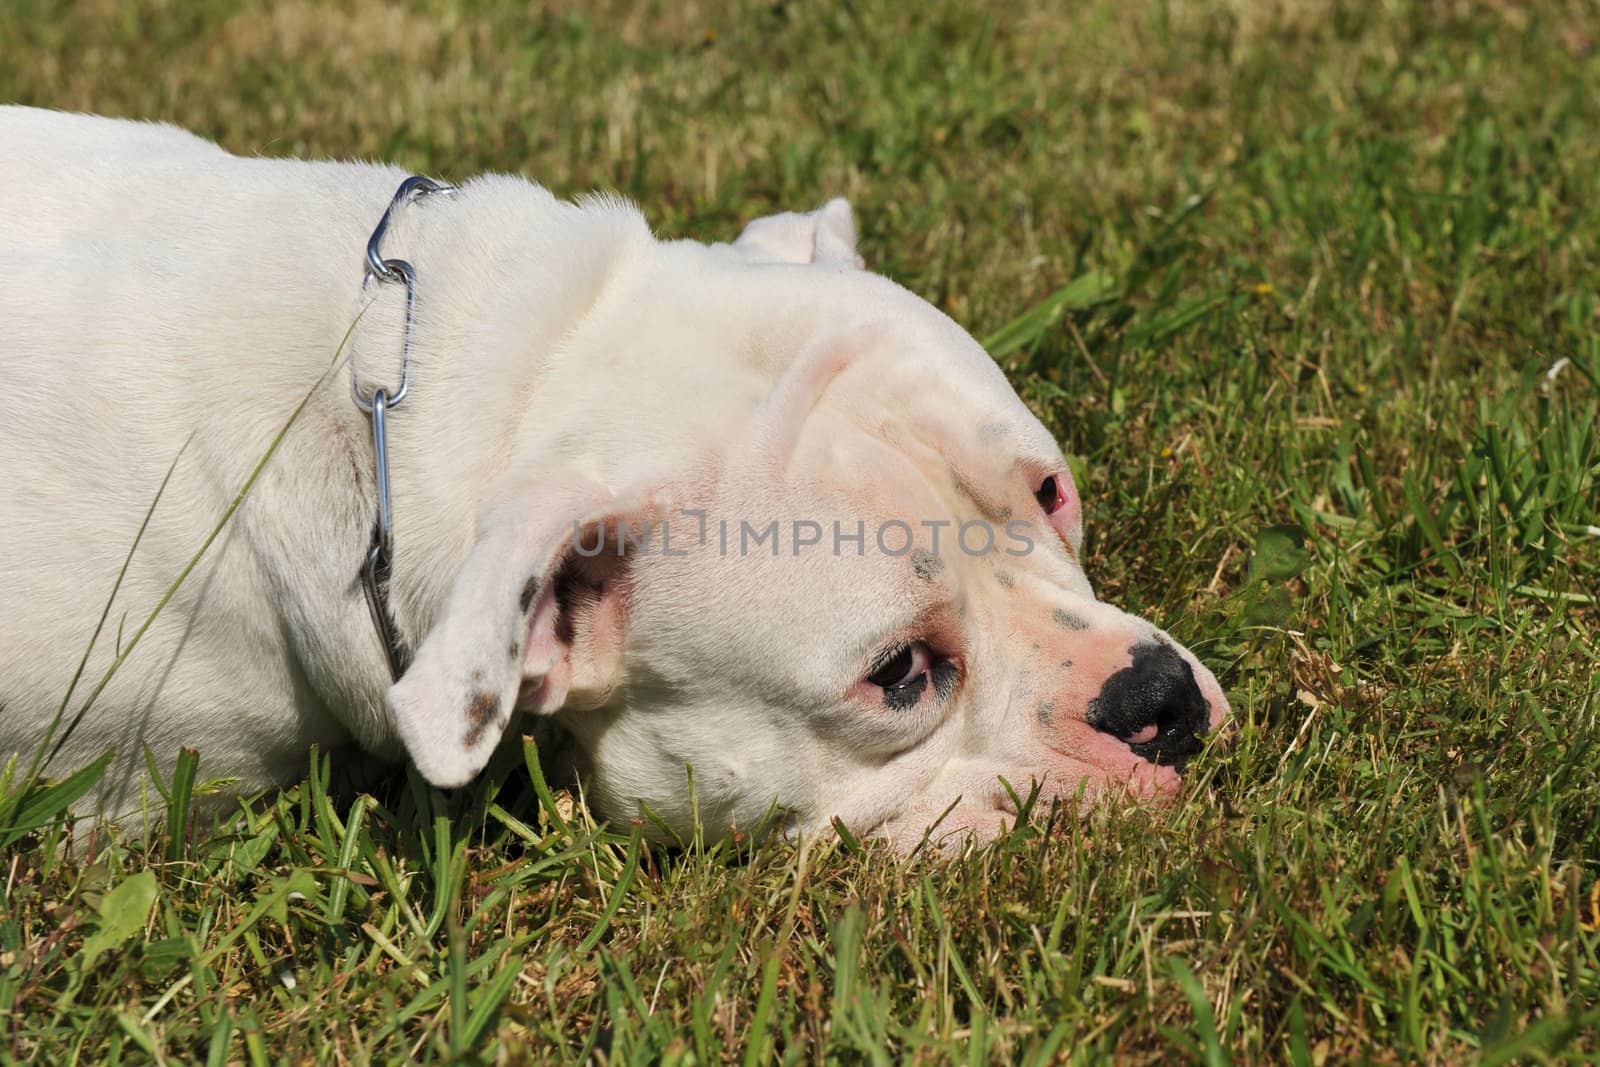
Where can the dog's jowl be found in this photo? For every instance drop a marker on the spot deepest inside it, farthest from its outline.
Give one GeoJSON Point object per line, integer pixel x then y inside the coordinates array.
{"type": "Point", "coordinates": [747, 508]}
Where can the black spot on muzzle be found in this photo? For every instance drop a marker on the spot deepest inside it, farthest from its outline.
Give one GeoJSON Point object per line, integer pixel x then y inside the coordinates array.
{"type": "Point", "coordinates": [1158, 690]}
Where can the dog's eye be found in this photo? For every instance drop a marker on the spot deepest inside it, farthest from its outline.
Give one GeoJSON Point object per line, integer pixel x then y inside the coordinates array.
{"type": "Point", "coordinates": [901, 667]}
{"type": "Point", "coordinates": [1050, 496]}
{"type": "Point", "coordinates": [906, 673]}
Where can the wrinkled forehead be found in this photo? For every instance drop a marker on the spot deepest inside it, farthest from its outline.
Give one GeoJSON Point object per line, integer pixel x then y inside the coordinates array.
{"type": "Point", "coordinates": [922, 405]}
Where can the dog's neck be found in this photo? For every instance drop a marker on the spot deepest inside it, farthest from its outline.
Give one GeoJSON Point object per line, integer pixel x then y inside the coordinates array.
{"type": "Point", "coordinates": [504, 274]}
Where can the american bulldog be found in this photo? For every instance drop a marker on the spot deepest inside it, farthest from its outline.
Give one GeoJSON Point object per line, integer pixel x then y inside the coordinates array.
{"type": "Point", "coordinates": [746, 511]}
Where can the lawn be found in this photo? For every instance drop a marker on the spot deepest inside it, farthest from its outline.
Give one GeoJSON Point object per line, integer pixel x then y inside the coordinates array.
{"type": "Point", "coordinates": [1310, 292]}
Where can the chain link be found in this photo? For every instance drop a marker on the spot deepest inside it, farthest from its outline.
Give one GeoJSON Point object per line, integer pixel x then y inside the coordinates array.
{"type": "Point", "coordinates": [395, 270]}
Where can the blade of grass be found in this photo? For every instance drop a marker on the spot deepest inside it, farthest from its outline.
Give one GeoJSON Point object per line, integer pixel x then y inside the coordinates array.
{"type": "Point", "coordinates": [630, 868]}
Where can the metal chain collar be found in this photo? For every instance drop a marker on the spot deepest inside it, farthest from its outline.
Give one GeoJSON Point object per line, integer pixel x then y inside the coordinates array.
{"type": "Point", "coordinates": [377, 405]}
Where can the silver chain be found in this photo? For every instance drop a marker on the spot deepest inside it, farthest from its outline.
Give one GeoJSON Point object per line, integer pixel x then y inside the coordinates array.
{"type": "Point", "coordinates": [395, 270]}
{"type": "Point", "coordinates": [377, 405]}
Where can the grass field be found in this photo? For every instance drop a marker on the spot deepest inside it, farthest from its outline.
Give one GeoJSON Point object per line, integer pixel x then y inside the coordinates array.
{"type": "Point", "coordinates": [1286, 277]}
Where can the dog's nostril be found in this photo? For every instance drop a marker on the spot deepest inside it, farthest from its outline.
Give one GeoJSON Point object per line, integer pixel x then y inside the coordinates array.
{"type": "Point", "coordinates": [1155, 706]}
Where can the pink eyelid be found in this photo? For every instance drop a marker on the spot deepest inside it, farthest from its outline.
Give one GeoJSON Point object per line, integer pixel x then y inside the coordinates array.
{"type": "Point", "coordinates": [1066, 491]}
{"type": "Point", "coordinates": [1061, 497]}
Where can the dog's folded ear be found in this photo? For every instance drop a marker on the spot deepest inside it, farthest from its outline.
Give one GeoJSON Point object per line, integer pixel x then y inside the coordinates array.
{"type": "Point", "coordinates": [534, 622]}
{"type": "Point", "coordinates": [827, 236]}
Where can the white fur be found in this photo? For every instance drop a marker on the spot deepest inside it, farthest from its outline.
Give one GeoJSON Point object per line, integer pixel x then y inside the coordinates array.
{"type": "Point", "coordinates": [164, 303]}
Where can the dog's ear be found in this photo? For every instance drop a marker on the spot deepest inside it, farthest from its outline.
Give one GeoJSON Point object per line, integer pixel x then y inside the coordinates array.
{"type": "Point", "coordinates": [827, 235]}
{"type": "Point", "coordinates": [534, 622]}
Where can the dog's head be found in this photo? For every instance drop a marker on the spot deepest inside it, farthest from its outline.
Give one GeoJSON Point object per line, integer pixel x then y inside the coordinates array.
{"type": "Point", "coordinates": [857, 595]}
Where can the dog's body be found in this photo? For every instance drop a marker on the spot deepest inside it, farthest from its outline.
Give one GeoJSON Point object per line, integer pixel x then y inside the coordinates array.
{"type": "Point", "coordinates": [168, 305]}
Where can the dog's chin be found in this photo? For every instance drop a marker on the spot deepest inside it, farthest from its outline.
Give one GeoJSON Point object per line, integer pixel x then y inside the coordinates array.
{"type": "Point", "coordinates": [945, 831]}
{"type": "Point", "coordinates": [945, 834]}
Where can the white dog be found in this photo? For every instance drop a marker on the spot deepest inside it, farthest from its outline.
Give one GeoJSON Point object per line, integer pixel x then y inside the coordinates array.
{"type": "Point", "coordinates": [746, 509]}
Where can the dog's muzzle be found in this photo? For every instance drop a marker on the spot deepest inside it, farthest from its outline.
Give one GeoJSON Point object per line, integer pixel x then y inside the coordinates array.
{"type": "Point", "coordinates": [1155, 706]}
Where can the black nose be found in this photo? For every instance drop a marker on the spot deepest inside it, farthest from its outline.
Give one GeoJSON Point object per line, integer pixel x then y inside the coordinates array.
{"type": "Point", "coordinates": [1159, 690]}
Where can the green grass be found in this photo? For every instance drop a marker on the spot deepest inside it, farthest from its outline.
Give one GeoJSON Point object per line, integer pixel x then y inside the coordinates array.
{"type": "Point", "coordinates": [1285, 279]}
